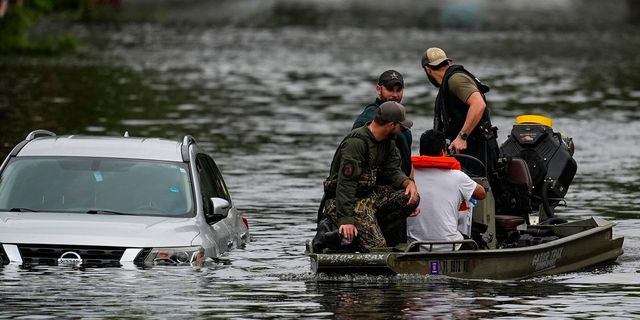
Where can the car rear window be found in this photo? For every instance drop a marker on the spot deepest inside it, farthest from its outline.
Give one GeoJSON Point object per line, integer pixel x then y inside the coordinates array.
{"type": "Point", "coordinates": [96, 185]}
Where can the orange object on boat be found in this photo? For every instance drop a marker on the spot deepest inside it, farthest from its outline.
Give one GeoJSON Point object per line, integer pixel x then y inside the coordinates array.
{"type": "Point", "coordinates": [436, 162]}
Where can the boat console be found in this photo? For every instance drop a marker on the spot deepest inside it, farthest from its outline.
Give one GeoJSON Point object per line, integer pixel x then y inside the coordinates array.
{"type": "Point", "coordinates": [532, 175]}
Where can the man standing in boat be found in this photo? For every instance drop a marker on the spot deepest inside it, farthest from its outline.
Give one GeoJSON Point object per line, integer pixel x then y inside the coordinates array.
{"type": "Point", "coordinates": [439, 179]}
{"type": "Point", "coordinates": [365, 186]}
{"type": "Point", "coordinates": [460, 109]}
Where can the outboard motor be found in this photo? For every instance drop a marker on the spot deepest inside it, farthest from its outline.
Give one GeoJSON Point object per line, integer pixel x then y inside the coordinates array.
{"type": "Point", "coordinates": [549, 158]}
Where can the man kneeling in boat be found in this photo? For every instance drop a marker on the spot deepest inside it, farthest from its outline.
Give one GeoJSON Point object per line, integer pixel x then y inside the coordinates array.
{"type": "Point", "coordinates": [366, 187]}
{"type": "Point", "coordinates": [446, 191]}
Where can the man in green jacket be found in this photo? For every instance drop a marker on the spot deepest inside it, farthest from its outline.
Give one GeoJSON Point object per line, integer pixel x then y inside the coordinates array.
{"type": "Point", "coordinates": [365, 186]}
{"type": "Point", "coordinates": [390, 87]}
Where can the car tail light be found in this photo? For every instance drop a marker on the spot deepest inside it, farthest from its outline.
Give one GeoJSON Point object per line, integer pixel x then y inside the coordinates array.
{"type": "Point", "coordinates": [245, 221]}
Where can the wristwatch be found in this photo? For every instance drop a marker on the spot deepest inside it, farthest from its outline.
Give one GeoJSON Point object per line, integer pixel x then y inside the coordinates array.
{"type": "Point", "coordinates": [463, 135]}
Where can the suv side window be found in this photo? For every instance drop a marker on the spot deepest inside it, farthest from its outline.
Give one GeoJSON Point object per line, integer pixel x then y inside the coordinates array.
{"type": "Point", "coordinates": [221, 187]}
{"type": "Point", "coordinates": [211, 183]}
{"type": "Point", "coordinates": [207, 184]}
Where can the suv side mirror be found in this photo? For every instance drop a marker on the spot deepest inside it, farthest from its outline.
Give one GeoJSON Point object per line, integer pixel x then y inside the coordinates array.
{"type": "Point", "coordinates": [221, 209]}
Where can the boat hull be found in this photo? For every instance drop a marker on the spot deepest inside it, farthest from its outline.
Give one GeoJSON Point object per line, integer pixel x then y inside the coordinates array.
{"type": "Point", "coordinates": [583, 244]}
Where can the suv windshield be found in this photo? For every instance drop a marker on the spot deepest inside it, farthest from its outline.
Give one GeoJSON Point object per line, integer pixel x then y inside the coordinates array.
{"type": "Point", "coordinates": [96, 185]}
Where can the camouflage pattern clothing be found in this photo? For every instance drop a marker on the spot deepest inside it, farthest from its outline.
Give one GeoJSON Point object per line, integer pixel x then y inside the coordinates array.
{"type": "Point", "coordinates": [359, 167]}
{"type": "Point", "coordinates": [384, 206]}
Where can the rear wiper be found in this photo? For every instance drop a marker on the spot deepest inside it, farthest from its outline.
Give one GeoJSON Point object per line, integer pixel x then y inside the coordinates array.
{"type": "Point", "coordinates": [106, 212]}
{"type": "Point", "coordinates": [22, 210]}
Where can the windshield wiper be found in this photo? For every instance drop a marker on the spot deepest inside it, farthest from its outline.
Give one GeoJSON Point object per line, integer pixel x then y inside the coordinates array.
{"type": "Point", "coordinates": [22, 210]}
{"type": "Point", "coordinates": [106, 212]}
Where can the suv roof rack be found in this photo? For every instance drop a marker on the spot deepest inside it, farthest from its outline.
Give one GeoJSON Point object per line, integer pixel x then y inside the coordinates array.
{"type": "Point", "coordinates": [32, 135]}
{"type": "Point", "coordinates": [40, 132]}
{"type": "Point", "coordinates": [186, 142]}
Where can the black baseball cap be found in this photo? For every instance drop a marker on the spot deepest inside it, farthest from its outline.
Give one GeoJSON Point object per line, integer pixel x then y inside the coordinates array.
{"type": "Point", "coordinates": [390, 78]}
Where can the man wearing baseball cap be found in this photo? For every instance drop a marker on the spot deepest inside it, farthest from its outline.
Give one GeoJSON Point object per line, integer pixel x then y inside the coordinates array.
{"type": "Point", "coordinates": [365, 186]}
{"type": "Point", "coordinates": [390, 87]}
{"type": "Point", "coordinates": [460, 109]}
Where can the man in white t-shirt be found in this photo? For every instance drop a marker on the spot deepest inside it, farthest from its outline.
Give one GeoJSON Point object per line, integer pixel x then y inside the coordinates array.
{"type": "Point", "coordinates": [444, 189]}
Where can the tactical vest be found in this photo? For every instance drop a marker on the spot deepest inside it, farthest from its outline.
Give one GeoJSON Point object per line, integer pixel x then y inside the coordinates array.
{"type": "Point", "coordinates": [402, 140]}
{"type": "Point", "coordinates": [451, 112]}
{"type": "Point", "coordinates": [368, 179]}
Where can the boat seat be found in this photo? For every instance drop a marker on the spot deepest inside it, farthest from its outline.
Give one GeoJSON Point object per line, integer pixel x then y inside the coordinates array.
{"type": "Point", "coordinates": [508, 222]}
{"type": "Point", "coordinates": [518, 173]}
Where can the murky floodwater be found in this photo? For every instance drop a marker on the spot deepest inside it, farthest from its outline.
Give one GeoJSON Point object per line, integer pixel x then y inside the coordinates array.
{"type": "Point", "coordinates": [271, 105]}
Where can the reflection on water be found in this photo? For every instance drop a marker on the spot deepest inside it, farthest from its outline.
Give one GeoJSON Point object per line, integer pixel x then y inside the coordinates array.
{"type": "Point", "coordinates": [235, 293]}
{"type": "Point", "coordinates": [271, 105]}
{"type": "Point", "coordinates": [413, 296]}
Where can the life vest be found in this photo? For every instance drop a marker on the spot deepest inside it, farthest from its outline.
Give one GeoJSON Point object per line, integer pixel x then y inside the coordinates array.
{"type": "Point", "coordinates": [436, 162]}
{"type": "Point", "coordinates": [440, 163]}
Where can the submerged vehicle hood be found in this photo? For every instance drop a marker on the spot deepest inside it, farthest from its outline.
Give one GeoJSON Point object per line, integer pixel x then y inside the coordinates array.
{"type": "Point", "coordinates": [96, 229]}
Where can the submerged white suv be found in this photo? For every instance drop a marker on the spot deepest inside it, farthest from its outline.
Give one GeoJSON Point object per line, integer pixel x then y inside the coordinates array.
{"type": "Point", "coordinates": [113, 201]}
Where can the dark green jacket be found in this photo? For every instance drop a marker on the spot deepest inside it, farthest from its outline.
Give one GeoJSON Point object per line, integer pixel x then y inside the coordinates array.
{"type": "Point", "coordinates": [361, 156]}
{"type": "Point", "coordinates": [403, 141]}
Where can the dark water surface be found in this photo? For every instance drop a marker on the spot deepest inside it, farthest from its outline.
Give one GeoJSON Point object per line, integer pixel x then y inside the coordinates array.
{"type": "Point", "coordinates": [271, 106]}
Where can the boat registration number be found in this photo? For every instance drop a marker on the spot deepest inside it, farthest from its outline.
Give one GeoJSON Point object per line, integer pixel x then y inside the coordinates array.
{"type": "Point", "coordinates": [448, 266]}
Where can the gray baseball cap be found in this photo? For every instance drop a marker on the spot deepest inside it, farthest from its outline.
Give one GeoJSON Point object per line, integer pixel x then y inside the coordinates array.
{"type": "Point", "coordinates": [394, 112]}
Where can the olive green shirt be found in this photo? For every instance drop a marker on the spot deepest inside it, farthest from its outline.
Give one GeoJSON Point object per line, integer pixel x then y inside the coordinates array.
{"type": "Point", "coordinates": [403, 140]}
{"type": "Point", "coordinates": [462, 86]}
{"type": "Point", "coordinates": [350, 165]}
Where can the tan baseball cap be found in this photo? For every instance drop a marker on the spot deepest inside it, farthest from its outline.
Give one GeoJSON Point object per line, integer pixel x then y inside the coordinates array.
{"type": "Point", "coordinates": [434, 57]}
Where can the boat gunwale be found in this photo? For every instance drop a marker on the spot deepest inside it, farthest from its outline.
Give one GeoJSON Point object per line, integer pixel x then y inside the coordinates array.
{"type": "Point", "coordinates": [598, 228]}
{"type": "Point", "coordinates": [601, 225]}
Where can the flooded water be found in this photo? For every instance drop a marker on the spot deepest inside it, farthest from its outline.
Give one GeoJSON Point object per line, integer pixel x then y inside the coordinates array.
{"type": "Point", "coordinates": [271, 105]}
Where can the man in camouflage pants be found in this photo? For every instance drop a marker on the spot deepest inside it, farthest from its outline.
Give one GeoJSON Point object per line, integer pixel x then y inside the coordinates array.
{"type": "Point", "coordinates": [366, 188]}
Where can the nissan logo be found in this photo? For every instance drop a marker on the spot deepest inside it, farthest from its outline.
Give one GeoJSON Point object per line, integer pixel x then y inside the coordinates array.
{"type": "Point", "coordinates": [70, 258]}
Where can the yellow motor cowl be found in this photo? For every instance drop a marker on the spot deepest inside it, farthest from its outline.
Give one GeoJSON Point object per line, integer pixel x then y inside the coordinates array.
{"type": "Point", "coordinates": [532, 118]}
